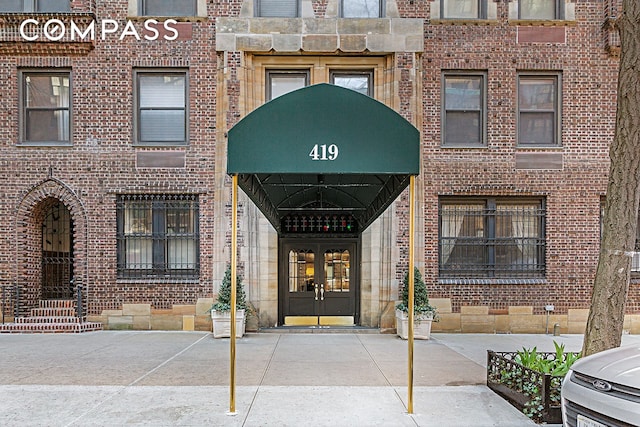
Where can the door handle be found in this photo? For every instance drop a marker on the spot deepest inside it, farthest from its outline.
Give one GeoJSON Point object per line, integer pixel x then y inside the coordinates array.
{"type": "Point", "coordinates": [321, 292]}
{"type": "Point", "coordinates": [316, 290]}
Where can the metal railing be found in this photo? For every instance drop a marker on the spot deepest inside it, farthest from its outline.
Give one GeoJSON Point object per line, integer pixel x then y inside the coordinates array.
{"type": "Point", "coordinates": [10, 301]}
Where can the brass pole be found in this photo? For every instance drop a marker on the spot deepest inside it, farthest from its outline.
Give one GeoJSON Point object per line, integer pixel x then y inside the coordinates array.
{"type": "Point", "coordinates": [234, 255]}
{"type": "Point", "coordinates": [411, 296]}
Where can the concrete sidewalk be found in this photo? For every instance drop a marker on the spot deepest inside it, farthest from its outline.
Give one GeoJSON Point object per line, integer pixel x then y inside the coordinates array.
{"type": "Point", "coordinates": [181, 378]}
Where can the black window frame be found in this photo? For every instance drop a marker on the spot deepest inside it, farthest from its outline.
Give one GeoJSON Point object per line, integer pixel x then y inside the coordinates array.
{"type": "Point", "coordinates": [557, 109]}
{"type": "Point", "coordinates": [159, 237]}
{"type": "Point", "coordinates": [24, 138]}
{"type": "Point", "coordinates": [482, 10]}
{"type": "Point", "coordinates": [482, 75]}
{"type": "Point", "coordinates": [137, 127]}
{"type": "Point", "coordinates": [487, 247]}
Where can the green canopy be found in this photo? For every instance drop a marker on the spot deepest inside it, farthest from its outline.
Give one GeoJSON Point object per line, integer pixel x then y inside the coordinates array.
{"type": "Point", "coordinates": [323, 148]}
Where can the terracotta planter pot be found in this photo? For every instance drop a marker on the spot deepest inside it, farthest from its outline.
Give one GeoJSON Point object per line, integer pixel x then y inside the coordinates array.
{"type": "Point", "coordinates": [421, 325]}
{"type": "Point", "coordinates": [221, 321]}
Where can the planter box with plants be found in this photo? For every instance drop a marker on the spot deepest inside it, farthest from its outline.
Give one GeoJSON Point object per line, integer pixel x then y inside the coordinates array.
{"type": "Point", "coordinates": [423, 312]}
{"type": "Point", "coordinates": [221, 310]}
{"type": "Point", "coordinates": [531, 380]}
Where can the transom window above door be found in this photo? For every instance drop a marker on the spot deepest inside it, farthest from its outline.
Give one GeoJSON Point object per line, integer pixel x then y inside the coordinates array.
{"type": "Point", "coordinates": [360, 81]}
{"type": "Point", "coordinates": [285, 81]}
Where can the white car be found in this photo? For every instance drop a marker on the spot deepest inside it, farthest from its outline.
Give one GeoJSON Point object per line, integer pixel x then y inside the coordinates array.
{"type": "Point", "coordinates": [603, 390]}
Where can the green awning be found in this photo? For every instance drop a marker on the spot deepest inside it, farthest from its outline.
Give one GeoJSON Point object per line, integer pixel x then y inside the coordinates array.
{"type": "Point", "coordinates": [323, 148]}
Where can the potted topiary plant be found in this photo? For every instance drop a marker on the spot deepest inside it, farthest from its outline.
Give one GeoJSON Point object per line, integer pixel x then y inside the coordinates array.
{"type": "Point", "coordinates": [424, 313]}
{"type": "Point", "coordinates": [221, 309]}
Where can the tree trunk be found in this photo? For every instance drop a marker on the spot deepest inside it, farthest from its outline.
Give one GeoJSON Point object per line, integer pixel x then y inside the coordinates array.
{"type": "Point", "coordinates": [620, 221]}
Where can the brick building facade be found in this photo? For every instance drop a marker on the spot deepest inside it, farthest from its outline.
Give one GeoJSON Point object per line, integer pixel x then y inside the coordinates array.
{"type": "Point", "coordinates": [113, 147]}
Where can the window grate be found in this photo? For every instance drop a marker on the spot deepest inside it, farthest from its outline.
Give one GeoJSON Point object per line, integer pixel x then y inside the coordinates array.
{"type": "Point", "coordinates": [158, 236]}
{"type": "Point", "coordinates": [480, 240]}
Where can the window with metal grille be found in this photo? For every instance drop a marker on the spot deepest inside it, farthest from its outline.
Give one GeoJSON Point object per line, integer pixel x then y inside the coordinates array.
{"type": "Point", "coordinates": [161, 105]}
{"type": "Point", "coordinates": [483, 238]}
{"type": "Point", "coordinates": [42, 6]}
{"type": "Point", "coordinates": [635, 255]}
{"type": "Point", "coordinates": [158, 236]}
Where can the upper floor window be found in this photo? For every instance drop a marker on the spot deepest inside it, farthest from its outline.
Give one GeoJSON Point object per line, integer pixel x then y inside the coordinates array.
{"type": "Point", "coordinates": [540, 9]}
{"type": "Point", "coordinates": [43, 6]}
{"type": "Point", "coordinates": [539, 109]}
{"type": "Point", "coordinates": [362, 8]}
{"type": "Point", "coordinates": [463, 9]}
{"type": "Point", "coordinates": [45, 107]}
{"type": "Point", "coordinates": [463, 112]}
{"type": "Point", "coordinates": [161, 104]}
{"type": "Point", "coordinates": [482, 238]}
{"type": "Point", "coordinates": [168, 7]}
{"type": "Point", "coordinates": [158, 236]}
{"type": "Point", "coordinates": [278, 8]}
{"type": "Point", "coordinates": [280, 82]}
{"type": "Point", "coordinates": [360, 81]}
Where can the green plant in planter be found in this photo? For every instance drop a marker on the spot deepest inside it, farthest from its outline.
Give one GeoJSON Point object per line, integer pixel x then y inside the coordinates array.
{"type": "Point", "coordinates": [421, 304]}
{"type": "Point", "coordinates": [224, 295]}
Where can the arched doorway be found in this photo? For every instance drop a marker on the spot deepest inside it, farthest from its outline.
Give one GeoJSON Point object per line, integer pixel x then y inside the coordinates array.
{"type": "Point", "coordinates": [57, 251]}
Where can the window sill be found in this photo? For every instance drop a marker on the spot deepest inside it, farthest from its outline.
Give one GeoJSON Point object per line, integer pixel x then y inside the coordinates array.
{"type": "Point", "coordinates": [52, 144]}
{"type": "Point", "coordinates": [142, 18]}
{"type": "Point", "coordinates": [464, 146]}
{"type": "Point", "coordinates": [494, 281]}
{"type": "Point", "coordinates": [538, 147]}
{"type": "Point", "coordinates": [155, 280]}
{"type": "Point", "coordinates": [543, 22]}
{"type": "Point", "coordinates": [454, 21]}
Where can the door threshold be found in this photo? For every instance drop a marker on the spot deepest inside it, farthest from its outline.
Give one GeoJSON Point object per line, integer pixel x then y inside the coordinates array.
{"type": "Point", "coordinates": [316, 329]}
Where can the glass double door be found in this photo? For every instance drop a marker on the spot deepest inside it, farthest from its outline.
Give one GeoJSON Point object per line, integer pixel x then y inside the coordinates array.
{"type": "Point", "coordinates": [318, 283]}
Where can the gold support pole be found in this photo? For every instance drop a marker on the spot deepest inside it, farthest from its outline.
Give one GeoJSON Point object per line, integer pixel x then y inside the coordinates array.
{"type": "Point", "coordinates": [234, 255]}
{"type": "Point", "coordinates": [411, 297]}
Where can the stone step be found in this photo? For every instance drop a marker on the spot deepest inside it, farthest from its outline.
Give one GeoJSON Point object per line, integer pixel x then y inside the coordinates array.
{"type": "Point", "coordinates": [44, 328]}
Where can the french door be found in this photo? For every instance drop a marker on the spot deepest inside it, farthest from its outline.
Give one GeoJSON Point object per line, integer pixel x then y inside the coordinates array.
{"type": "Point", "coordinates": [318, 282]}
